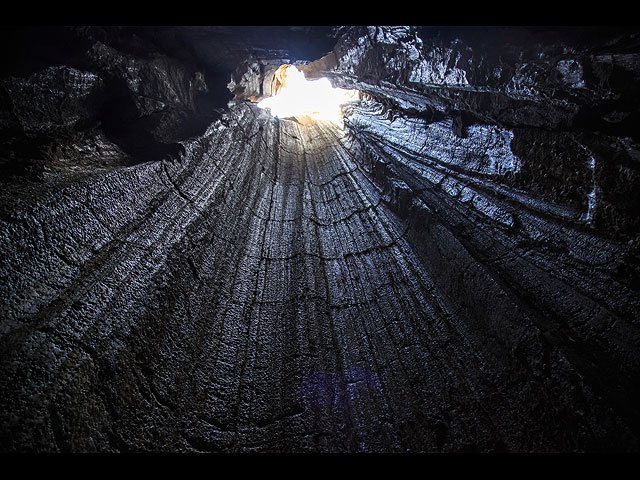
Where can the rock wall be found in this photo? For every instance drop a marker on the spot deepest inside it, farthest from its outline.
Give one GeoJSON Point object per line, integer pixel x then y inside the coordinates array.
{"type": "Point", "coordinates": [454, 270]}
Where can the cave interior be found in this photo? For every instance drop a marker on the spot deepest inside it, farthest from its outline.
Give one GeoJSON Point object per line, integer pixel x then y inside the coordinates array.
{"type": "Point", "coordinates": [453, 266]}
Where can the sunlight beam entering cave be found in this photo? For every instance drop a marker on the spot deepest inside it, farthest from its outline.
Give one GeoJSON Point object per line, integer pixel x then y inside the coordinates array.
{"type": "Point", "coordinates": [299, 97]}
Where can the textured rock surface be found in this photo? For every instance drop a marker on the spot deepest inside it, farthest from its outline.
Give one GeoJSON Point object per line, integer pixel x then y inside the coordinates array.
{"type": "Point", "coordinates": [454, 270]}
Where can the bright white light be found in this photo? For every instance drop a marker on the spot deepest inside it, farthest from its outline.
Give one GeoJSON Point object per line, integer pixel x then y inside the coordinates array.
{"type": "Point", "coordinates": [316, 98]}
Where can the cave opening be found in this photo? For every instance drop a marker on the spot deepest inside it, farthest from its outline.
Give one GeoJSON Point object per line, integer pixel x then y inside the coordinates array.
{"type": "Point", "coordinates": [306, 100]}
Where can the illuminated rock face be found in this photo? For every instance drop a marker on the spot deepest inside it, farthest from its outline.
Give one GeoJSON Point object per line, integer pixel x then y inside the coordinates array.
{"type": "Point", "coordinates": [436, 276]}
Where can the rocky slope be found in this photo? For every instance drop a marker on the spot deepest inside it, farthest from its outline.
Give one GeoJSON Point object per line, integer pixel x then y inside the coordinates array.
{"type": "Point", "coordinates": [454, 270]}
